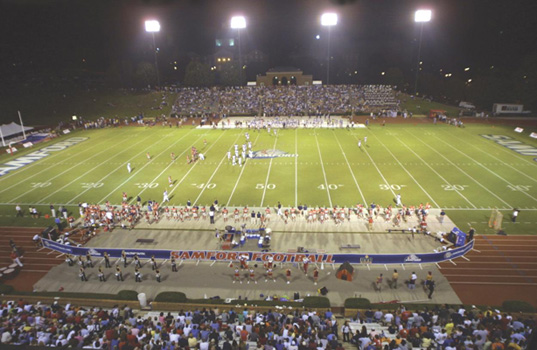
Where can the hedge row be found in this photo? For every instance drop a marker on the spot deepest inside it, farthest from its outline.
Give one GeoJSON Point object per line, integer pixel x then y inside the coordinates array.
{"type": "Point", "coordinates": [126, 295]}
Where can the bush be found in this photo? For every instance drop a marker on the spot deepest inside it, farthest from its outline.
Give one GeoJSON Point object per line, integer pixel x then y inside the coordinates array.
{"type": "Point", "coordinates": [320, 302]}
{"type": "Point", "coordinates": [357, 303]}
{"type": "Point", "coordinates": [127, 295]}
{"type": "Point", "coordinates": [6, 289]}
{"type": "Point", "coordinates": [517, 306]}
{"type": "Point", "coordinates": [171, 297]}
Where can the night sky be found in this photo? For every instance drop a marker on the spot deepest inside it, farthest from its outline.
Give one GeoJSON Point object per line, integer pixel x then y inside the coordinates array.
{"type": "Point", "coordinates": [41, 35]}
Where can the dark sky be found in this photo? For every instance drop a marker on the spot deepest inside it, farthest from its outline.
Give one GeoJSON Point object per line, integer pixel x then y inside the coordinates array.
{"type": "Point", "coordinates": [52, 33]}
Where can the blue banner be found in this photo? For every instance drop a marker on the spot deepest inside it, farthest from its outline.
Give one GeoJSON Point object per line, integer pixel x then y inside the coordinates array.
{"type": "Point", "coordinates": [224, 255]}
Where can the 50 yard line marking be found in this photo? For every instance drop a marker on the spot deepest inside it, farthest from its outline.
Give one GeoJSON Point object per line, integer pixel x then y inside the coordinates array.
{"type": "Point", "coordinates": [268, 175]}
{"type": "Point", "coordinates": [324, 172]}
{"type": "Point", "coordinates": [350, 168]}
{"type": "Point", "coordinates": [436, 172]}
{"type": "Point", "coordinates": [239, 178]}
{"type": "Point", "coordinates": [465, 173]}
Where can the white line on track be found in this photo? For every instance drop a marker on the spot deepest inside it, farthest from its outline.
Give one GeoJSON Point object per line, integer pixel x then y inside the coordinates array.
{"type": "Point", "coordinates": [408, 172]}
{"type": "Point", "coordinates": [464, 172]}
{"type": "Point", "coordinates": [324, 172]}
{"type": "Point", "coordinates": [192, 167]}
{"type": "Point", "coordinates": [136, 172]}
{"type": "Point", "coordinates": [436, 172]}
{"type": "Point", "coordinates": [268, 174]}
{"type": "Point", "coordinates": [495, 283]}
{"type": "Point", "coordinates": [350, 168]}
{"type": "Point", "coordinates": [91, 169]}
{"type": "Point", "coordinates": [484, 167]}
{"type": "Point", "coordinates": [239, 178]}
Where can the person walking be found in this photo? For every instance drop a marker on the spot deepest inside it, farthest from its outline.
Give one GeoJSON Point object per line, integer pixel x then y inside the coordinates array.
{"type": "Point", "coordinates": [395, 277]}
{"type": "Point", "coordinates": [431, 289]}
{"type": "Point", "coordinates": [82, 275]}
{"type": "Point", "coordinates": [15, 257]}
{"type": "Point", "coordinates": [515, 214]}
{"type": "Point", "coordinates": [19, 211]}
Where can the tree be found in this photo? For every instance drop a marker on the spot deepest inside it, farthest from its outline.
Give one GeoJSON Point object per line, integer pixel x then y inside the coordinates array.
{"type": "Point", "coordinates": [198, 74]}
{"type": "Point", "coordinates": [145, 74]}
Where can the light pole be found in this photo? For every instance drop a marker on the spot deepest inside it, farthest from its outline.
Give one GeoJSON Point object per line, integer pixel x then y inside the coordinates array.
{"type": "Point", "coordinates": [420, 16]}
{"type": "Point", "coordinates": [239, 22]}
{"type": "Point", "coordinates": [328, 20]}
{"type": "Point", "coordinates": [153, 26]}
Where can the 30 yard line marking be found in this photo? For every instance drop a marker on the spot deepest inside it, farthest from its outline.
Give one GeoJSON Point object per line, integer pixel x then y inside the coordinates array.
{"type": "Point", "coordinates": [436, 172]}
{"type": "Point", "coordinates": [240, 175]}
{"type": "Point", "coordinates": [268, 175]}
{"type": "Point", "coordinates": [136, 172]}
{"type": "Point", "coordinates": [408, 172]}
{"type": "Point", "coordinates": [464, 172]}
{"type": "Point", "coordinates": [350, 168]}
{"type": "Point", "coordinates": [484, 167]}
{"type": "Point", "coordinates": [324, 172]}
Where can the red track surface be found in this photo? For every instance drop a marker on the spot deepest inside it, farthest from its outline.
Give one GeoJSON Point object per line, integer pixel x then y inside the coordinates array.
{"type": "Point", "coordinates": [505, 268]}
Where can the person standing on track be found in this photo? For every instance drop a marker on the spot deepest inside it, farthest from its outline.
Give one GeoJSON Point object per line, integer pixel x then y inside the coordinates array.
{"type": "Point", "coordinates": [106, 260]}
{"type": "Point", "coordinates": [288, 275]}
{"type": "Point", "coordinates": [52, 211]}
{"type": "Point", "coordinates": [101, 275]}
{"type": "Point", "coordinates": [15, 257]}
{"type": "Point", "coordinates": [119, 274]}
{"type": "Point", "coordinates": [82, 275]}
{"type": "Point", "coordinates": [174, 264]}
{"type": "Point", "coordinates": [395, 277]}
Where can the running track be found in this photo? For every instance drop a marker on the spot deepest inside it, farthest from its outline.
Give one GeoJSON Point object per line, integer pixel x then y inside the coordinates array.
{"type": "Point", "coordinates": [505, 268]}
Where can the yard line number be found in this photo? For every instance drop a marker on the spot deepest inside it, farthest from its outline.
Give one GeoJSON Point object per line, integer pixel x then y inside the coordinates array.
{"type": "Point", "coordinates": [262, 186]}
{"type": "Point", "coordinates": [520, 188]}
{"type": "Point", "coordinates": [330, 186]}
{"type": "Point", "coordinates": [92, 184]}
{"type": "Point", "coordinates": [146, 184]}
{"type": "Point", "coordinates": [208, 186]}
{"type": "Point", "coordinates": [454, 187]}
{"type": "Point", "coordinates": [394, 187]}
{"type": "Point", "coordinates": [40, 184]}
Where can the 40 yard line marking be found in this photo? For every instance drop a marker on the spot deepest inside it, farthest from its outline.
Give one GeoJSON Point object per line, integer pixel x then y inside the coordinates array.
{"type": "Point", "coordinates": [350, 168]}
{"type": "Point", "coordinates": [324, 172]}
{"type": "Point", "coordinates": [484, 167]}
{"type": "Point", "coordinates": [240, 175]}
{"type": "Point", "coordinates": [268, 175]}
{"type": "Point", "coordinates": [436, 172]}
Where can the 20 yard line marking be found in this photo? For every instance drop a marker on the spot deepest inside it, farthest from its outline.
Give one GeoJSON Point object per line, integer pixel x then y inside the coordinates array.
{"type": "Point", "coordinates": [324, 172]}
{"type": "Point", "coordinates": [350, 169]}
{"type": "Point", "coordinates": [268, 174]}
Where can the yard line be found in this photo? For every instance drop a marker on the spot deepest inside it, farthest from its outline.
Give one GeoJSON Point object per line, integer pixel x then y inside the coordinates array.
{"type": "Point", "coordinates": [46, 169]}
{"type": "Point", "coordinates": [324, 172]}
{"type": "Point", "coordinates": [464, 172]}
{"type": "Point", "coordinates": [136, 172]}
{"type": "Point", "coordinates": [408, 172]}
{"type": "Point", "coordinates": [240, 175]}
{"type": "Point", "coordinates": [192, 167]}
{"type": "Point", "coordinates": [436, 172]}
{"type": "Point", "coordinates": [484, 167]}
{"type": "Point", "coordinates": [92, 169]}
{"type": "Point", "coordinates": [296, 167]}
{"type": "Point", "coordinates": [378, 170]}
{"type": "Point", "coordinates": [268, 174]}
{"type": "Point", "coordinates": [350, 169]}
{"type": "Point", "coordinates": [504, 163]}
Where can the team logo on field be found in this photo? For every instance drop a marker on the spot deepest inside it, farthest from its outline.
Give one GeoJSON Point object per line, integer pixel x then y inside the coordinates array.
{"type": "Point", "coordinates": [271, 153]}
{"type": "Point", "coordinates": [92, 251]}
{"type": "Point", "coordinates": [412, 258]}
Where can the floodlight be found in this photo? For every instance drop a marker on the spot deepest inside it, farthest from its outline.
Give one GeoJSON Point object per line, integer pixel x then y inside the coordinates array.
{"type": "Point", "coordinates": [238, 22]}
{"type": "Point", "coordinates": [152, 26]}
{"type": "Point", "coordinates": [423, 16]}
{"type": "Point", "coordinates": [329, 19]}
{"type": "Point", "coordinates": [75, 117]}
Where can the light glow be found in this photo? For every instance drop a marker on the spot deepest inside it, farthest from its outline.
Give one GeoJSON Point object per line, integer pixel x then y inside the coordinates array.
{"type": "Point", "coordinates": [423, 16]}
{"type": "Point", "coordinates": [238, 22]}
{"type": "Point", "coordinates": [329, 19]}
{"type": "Point", "coordinates": [152, 26]}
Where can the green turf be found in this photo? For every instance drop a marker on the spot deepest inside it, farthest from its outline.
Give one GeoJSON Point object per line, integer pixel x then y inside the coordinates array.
{"type": "Point", "coordinates": [419, 106]}
{"type": "Point", "coordinates": [451, 168]}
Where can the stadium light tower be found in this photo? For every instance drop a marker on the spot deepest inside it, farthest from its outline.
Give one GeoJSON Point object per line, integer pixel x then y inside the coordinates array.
{"type": "Point", "coordinates": [239, 22]}
{"type": "Point", "coordinates": [153, 26]}
{"type": "Point", "coordinates": [329, 20]}
{"type": "Point", "coordinates": [420, 16]}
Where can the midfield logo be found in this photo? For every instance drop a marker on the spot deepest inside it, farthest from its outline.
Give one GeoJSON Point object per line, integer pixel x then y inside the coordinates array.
{"type": "Point", "coordinates": [271, 153]}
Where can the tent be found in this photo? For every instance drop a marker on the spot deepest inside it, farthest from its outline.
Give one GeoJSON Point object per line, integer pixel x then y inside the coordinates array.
{"type": "Point", "coordinates": [345, 271]}
{"type": "Point", "coordinates": [10, 130]}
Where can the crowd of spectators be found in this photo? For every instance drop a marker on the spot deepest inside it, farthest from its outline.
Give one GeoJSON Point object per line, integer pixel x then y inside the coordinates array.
{"type": "Point", "coordinates": [284, 100]}
{"type": "Point", "coordinates": [444, 327]}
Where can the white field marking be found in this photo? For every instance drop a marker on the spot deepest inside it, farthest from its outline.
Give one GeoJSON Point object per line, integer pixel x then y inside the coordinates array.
{"type": "Point", "coordinates": [324, 172]}
{"type": "Point", "coordinates": [268, 174]}
{"type": "Point", "coordinates": [63, 172]}
{"type": "Point", "coordinates": [499, 160]}
{"type": "Point", "coordinates": [494, 283]}
{"type": "Point", "coordinates": [350, 169]}
{"type": "Point", "coordinates": [215, 171]}
{"type": "Point", "coordinates": [464, 172]}
{"type": "Point", "coordinates": [192, 167]}
{"type": "Point", "coordinates": [86, 173]}
{"type": "Point", "coordinates": [296, 167]}
{"type": "Point", "coordinates": [240, 175]}
{"type": "Point", "coordinates": [436, 172]}
{"type": "Point", "coordinates": [48, 158]}
{"type": "Point", "coordinates": [378, 170]}
{"type": "Point", "coordinates": [484, 167]}
{"type": "Point", "coordinates": [408, 172]}
{"type": "Point", "coordinates": [46, 169]}
{"type": "Point", "coordinates": [137, 171]}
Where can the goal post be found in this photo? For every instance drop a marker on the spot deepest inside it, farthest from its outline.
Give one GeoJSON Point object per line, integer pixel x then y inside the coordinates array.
{"type": "Point", "coordinates": [496, 218]}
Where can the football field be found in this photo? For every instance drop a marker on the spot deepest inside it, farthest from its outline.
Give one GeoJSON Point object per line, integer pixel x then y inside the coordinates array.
{"type": "Point", "coordinates": [457, 169]}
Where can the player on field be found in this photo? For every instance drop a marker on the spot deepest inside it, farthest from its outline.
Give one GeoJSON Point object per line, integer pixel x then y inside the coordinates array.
{"type": "Point", "coordinates": [148, 156]}
{"type": "Point", "coordinates": [165, 196]}
{"type": "Point", "coordinates": [172, 156]}
{"type": "Point", "coordinates": [359, 143]}
{"type": "Point", "coordinates": [129, 167]}
{"type": "Point", "coordinates": [170, 181]}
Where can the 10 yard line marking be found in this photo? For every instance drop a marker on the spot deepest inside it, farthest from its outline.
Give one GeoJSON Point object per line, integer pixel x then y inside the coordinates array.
{"type": "Point", "coordinates": [350, 169]}
{"type": "Point", "coordinates": [436, 172]}
{"type": "Point", "coordinates": [268, 174]}
{"type": "Point", "coordinates": [324, 172]}
{"type": "Point", "coordinates": [240, 175]}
